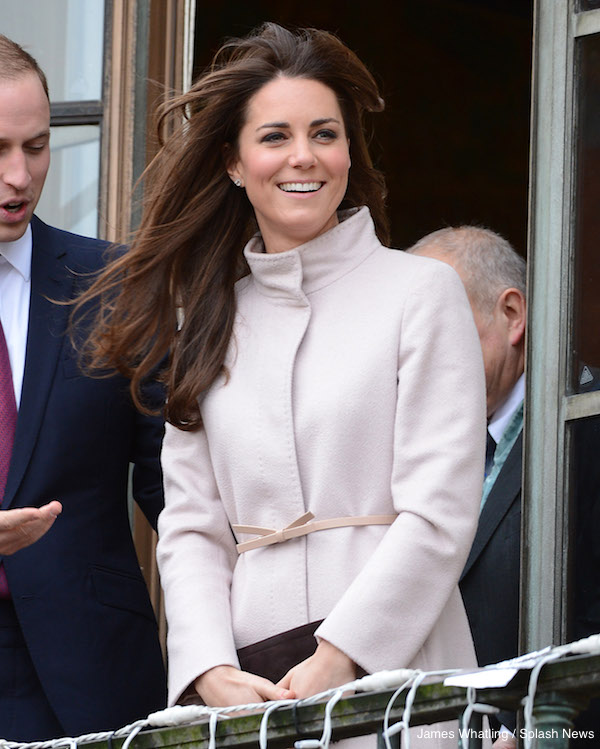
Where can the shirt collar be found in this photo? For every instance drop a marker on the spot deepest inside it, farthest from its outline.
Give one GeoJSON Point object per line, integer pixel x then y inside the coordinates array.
{"type": "Point", "coordinates": [18, 253]}
{"type": "Point", "coordinates": [503, 415]}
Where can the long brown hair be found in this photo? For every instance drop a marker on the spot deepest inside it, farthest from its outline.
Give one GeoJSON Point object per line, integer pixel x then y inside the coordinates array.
{"type": "Point", "coordinates": [172, 293]}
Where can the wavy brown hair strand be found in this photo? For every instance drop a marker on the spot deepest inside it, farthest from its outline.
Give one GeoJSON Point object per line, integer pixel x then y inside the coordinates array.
{"type": "Point", "coordinates": [172, 294]}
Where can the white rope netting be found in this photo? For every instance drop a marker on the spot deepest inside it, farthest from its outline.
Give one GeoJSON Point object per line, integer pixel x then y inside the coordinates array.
{"type": "Point", "coordinates": [399, 680]}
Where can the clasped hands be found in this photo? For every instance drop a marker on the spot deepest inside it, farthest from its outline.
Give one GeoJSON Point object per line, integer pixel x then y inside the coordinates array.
{"type": "Point", "coordinates": [327, 668]}
{"type": "Point", "coordinates": [23, 526]}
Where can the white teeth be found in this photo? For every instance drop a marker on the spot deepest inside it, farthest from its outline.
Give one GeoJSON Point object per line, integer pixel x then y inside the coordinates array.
{"type": "Point", "coordinates": [300, 186]}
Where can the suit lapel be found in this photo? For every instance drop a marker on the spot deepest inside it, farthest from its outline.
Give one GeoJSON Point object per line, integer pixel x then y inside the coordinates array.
{"type": "Point", "coordinates": [45, 335]}
{"type": "Point", "coordinates": [503, 493]}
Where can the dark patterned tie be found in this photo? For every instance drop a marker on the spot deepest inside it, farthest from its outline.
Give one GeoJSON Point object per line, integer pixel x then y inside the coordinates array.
{"type": "Point", "coordinates": [490, 449]}
{"type": "Point", "coordinates": [8, 422]}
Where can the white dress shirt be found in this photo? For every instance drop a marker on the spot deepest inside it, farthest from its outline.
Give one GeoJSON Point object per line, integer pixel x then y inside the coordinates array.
{"type": "Point", "coordinates": [503, 415]}
{"type": "Point", "coordinates": [15, 293]}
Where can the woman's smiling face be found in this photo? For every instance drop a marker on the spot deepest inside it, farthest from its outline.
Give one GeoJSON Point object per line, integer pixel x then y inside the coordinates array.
{"type": "Point", "coordinates": [293, 160]}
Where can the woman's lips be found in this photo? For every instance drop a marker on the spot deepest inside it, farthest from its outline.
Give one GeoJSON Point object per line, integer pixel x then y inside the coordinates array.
{"type": "Point", "coordinates": [301, 187]}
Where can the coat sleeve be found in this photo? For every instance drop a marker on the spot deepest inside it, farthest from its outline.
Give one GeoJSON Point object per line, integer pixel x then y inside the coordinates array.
{"type": "Point", "coordinates": [147, 440]}
{"type": "Point", "coordinates": [88, 258]}
{"type": "Point", "coordinates": [194, 529]}
{"type": "Point", "coordinates": [387, 613]}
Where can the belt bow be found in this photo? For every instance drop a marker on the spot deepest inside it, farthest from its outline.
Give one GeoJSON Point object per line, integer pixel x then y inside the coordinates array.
{"type": "Point", "coordinates": [302, 526]}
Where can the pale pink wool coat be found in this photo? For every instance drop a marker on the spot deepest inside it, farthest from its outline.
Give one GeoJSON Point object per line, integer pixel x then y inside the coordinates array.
{"type": "Point", "coordinates": [356, 388]}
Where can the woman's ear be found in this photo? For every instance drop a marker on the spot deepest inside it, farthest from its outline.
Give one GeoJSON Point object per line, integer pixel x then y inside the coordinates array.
{"type": "Point", "coordinates": [231, 164]}
{"type": "Point", "coordinates": [234, 174]}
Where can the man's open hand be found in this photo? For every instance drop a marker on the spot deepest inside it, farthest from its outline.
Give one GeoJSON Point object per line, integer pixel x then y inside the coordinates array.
{"type": "Point", "coordinates": [23, 526]}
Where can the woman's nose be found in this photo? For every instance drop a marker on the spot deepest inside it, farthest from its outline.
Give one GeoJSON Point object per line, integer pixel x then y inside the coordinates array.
{"type": "Point", "coordinates": [302, 155]}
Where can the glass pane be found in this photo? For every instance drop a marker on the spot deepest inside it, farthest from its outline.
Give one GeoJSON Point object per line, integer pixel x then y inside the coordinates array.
{"type": "Point", "coordinates": [586, 343]}
{"type": "Point", "coordinates": [584, 610]}
{"type": "Point", "coordinates": [584, 578]}
{"type": "Point", "coordinates": [70, 197]}
{"type": "Point", "coordinates": [66, 38]}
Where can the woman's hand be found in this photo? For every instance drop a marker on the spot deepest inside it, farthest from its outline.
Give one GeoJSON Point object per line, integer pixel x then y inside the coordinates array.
{"type": "Point", "coordinates": [223, 686]}
{"type": "Point", "coordinates": [505, 741]}
{"type": "Point", "coordinates": [328, 667]}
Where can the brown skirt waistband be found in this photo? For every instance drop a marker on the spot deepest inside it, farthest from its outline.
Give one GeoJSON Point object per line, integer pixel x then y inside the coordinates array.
{"type": "Point", "coordinates": [273, 657]}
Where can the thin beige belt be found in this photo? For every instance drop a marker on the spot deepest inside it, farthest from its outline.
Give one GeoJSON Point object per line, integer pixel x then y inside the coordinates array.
{"type": "Point", "coordinates": [302, 527]}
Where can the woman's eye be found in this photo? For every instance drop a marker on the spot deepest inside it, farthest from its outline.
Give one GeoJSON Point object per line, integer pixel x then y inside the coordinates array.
{"type": "Point", "coordinates": [273, 138]}
{"type": "Point", "coordinates": [326, 135]}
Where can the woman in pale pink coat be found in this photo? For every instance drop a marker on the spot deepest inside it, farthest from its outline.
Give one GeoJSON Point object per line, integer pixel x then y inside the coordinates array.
{"type": "Point", "coordinates": [336, 390]}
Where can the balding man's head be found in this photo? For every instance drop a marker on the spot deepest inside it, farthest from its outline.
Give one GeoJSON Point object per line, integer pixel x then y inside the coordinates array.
{"type": "Point", "coordinates": [485, 261]}
{"type": "Point", "coordinates": [494, 277]}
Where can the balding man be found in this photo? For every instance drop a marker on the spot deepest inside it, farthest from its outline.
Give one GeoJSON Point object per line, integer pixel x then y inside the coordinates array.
{"type": "Point", "coordinates": [494, 278]}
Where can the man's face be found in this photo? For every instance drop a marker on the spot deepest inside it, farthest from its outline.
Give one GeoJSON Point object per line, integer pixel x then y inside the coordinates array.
{"type": "Point", "coordinates": [24, 151]}
{"type": "Point", "coordinates": [497, 355]}
{"type": "Point", "coordinates": [494, 335]}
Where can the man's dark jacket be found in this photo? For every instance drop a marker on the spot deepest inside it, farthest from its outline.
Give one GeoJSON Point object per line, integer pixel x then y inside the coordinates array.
{"type": "Point", "coordinates": [490, 580]}
{"type": "Point", "coordinates": [79, 594]}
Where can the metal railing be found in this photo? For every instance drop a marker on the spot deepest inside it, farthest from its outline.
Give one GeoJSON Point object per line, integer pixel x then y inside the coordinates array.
{"type": "Point", "coordinates": [563, 689]}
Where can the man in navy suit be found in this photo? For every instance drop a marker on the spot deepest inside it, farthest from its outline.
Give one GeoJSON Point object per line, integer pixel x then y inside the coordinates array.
{"type": "Point", "coordinates": [494, 277]}
{"type": "Point", "coordinates": [79, 648]}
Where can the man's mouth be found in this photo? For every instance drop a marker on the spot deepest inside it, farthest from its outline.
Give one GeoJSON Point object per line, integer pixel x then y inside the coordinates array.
{"type": "Point", "coordinates": [300, 186]}
{"type": "Point", "coordinates": [13, 207]}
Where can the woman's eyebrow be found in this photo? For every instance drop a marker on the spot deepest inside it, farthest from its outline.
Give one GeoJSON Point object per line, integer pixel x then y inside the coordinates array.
{"type": "Point", "coordinates": [314, 123]}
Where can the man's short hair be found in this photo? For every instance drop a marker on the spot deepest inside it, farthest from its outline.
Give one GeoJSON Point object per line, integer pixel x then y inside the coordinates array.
{"type": "Point", "coordinates": [487, 262]}
{"type": "Point", "coordinates": [16, 62]}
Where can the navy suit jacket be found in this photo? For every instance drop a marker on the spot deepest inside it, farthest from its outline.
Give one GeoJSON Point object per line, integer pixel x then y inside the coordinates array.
{"type": "Point", "coordinates": [490, 580]}
{"type": "Point", "coordinates": [79, 594]}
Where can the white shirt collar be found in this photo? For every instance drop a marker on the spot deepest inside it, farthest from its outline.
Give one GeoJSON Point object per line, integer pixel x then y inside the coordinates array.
{"type": "Point", "coordinates": [503, 415]}
{"type": "Point", "coordinates": [18, 253]}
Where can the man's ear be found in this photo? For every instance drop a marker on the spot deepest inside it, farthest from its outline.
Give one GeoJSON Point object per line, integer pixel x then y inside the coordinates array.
{"type": "Point", "coordinates": [514, 308]}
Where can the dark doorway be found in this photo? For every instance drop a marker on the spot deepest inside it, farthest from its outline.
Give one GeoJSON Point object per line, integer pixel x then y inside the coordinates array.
{"type": "Point", "coordinates": [455, 75]}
